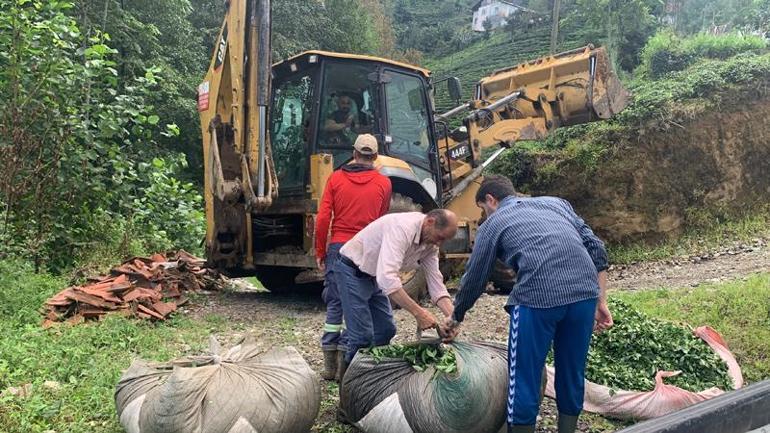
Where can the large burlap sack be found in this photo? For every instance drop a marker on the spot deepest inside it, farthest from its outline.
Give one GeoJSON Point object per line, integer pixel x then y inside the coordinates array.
{"type": "Point", "coordinates": [240, 391]}
{"type": "Point", "coordinates": [390, 396]}
{"type": "Point", "coordinates": [664, 399]}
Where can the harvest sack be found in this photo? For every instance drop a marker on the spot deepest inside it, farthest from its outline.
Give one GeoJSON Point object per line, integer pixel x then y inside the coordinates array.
{"type": "Point", "coordinates": [241, 391]}
{"type": "Point", "coordinates": [664, 398]}
{"type": "Point", "coordinates": [390, 396]}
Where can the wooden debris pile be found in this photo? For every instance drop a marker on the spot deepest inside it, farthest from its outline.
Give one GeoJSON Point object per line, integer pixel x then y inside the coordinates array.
{"type": "Point", "coordinates": [148, 288]}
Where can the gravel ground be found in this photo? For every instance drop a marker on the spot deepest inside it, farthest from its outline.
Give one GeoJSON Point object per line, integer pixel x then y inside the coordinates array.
{"type": "Point", "coordinates": [297, 319]}
{"type": "Point", "coordinates": [728, 263]}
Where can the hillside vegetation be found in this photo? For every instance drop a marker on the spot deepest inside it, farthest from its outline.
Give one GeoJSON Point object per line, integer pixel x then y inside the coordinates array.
{"type": "Point", "coordinates": [500, 50]}
{"type": "Point", "coordinates": [689, 150]}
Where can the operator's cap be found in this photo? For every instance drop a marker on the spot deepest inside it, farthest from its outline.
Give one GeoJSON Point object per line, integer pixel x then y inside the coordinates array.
{"type": "Point", "coordinates": [366, 144]}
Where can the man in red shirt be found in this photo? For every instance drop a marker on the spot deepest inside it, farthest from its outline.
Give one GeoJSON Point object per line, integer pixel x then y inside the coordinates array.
{"type": "Point", "coordinates": [355, 195]}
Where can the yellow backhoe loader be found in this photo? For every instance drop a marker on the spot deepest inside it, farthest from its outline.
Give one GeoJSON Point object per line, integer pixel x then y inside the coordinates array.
{"type": "Point", "coordinates": [268, 153]}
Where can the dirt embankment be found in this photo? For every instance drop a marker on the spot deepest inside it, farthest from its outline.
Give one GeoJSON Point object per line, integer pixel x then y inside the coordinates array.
{"type": "Point", "coordinates": [658, 183]}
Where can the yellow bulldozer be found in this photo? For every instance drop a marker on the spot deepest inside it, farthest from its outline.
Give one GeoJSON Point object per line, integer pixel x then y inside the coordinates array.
{"type": "Point", "coordinates": [268, 148]}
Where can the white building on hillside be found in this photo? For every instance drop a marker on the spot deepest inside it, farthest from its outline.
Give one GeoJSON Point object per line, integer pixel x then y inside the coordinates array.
{"type": "Point", "coordinates": [496, 11]}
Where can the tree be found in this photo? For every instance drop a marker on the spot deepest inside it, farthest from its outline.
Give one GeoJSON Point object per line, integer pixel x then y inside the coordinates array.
{"type": "Point", "coordinates": [623, 26]}
{"type": "Point", "coordinates": [76, 142]}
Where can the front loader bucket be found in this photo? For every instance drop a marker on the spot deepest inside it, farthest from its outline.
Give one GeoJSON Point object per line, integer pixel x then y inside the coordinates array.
{"type": "Point", "coordinates": [579, 85]}
{"type": "Point", "coordinates": [609, 96]}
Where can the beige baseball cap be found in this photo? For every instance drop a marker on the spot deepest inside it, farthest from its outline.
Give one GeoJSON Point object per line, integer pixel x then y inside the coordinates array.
{"type": "Point", "coordinates": [366, 144]}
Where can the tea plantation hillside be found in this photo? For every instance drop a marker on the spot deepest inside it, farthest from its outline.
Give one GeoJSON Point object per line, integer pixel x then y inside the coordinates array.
{"type": "Point", "coordinates": [500, 50]}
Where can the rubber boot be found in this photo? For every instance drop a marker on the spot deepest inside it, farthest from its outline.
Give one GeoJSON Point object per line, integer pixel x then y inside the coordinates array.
{"type": "Point", "coordinates": [521, 429]}
{"type": "Point", "coordinates": [342, 366]}
{"type": "Point", "coordinates": [331, 364]}
{"type": "Point", "coordinates": [342, 417]}
{"type": "Point", "coordinates": [567, 423]}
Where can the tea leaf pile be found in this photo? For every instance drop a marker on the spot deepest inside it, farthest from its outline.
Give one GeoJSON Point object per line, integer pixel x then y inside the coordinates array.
{"type": "Point", "coordinates": [419, 356]}
{"type": "Point", "coordinates": [628, 355]}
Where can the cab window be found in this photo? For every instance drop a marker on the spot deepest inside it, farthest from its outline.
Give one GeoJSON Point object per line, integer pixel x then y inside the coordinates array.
{"type": "Point", "coordinates": [348, 108]}
{"type": "Point", "coordinates": [289, 129]}
{"type": "Point", "coordinates": [407, 117]}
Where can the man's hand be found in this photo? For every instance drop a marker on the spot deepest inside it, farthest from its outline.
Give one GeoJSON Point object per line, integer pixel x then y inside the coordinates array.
{"type": "Point", "coordinates": [319, 261]}
{"type": "Point", "coordinates": [449, 329]}
{"type": "Point", "coordinates": [425, 320]}
{"type": "Point", "coordinates": [603, 317]}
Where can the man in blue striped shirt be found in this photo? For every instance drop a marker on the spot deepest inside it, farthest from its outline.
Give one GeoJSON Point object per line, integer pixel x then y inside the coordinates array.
{"type": "Point", "coordinates": [559, 297]}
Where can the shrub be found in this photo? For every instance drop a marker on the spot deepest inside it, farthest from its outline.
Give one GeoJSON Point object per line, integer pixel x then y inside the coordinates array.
{"type": "Point", "coordinates": [666, 52]}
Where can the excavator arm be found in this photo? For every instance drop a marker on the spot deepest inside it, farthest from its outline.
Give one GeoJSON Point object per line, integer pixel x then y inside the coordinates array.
{"type": "Point", "coordinates": [232, 102]}
{"type": "Point", "coordinates": [527, 102]}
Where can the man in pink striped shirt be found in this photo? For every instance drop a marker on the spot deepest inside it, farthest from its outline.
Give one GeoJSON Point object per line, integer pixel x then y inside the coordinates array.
{"type": "Point", "coordinates": [368, 271]}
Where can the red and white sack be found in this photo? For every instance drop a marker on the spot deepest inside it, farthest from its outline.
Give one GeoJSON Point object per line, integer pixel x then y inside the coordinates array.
{"type": "Point", "coordinates": [664, 399]}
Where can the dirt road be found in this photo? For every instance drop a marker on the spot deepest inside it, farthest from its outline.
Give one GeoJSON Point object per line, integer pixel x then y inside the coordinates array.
{"type": "Point", "coordinates": [297, 319]}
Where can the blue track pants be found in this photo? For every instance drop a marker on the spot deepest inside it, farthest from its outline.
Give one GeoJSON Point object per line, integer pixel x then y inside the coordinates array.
{"type": "Point", "coordinates": [532, 332]}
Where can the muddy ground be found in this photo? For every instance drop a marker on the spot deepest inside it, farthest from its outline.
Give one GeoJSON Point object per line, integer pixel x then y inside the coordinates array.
{"type": "Point", "coordinates": [297, 319]}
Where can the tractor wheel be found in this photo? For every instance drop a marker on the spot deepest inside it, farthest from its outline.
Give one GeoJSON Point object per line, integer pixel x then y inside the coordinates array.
{"type": "Point", "coordinates": [277, 279]}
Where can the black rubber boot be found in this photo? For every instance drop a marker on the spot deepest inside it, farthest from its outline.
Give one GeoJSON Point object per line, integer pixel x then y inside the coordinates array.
{"type": "Point", "coordinates": [331, 363]}
{"type": "Point", "coordinates": [567, 423]}
{"type": "Point", "coordinates": [342, 366]}
{"type": "Point", "coordinates": [341, 416]}
{"type": "Point", "coordinates": [521, 429]}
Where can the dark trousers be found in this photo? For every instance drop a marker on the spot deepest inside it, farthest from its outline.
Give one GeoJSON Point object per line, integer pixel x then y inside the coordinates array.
{"type": "Point", "coordinates": [368, 314]}
{"type": "Point", "coordinates": [333, 337]}
{"type": "Point", "coordinates": [532, 332]}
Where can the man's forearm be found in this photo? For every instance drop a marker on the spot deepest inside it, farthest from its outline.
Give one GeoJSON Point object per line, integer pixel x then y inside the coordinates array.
{"type": "Point", "coordinates": [603, 287]}
{"type": "Point", "coordinates": [445, 305]}
{"type": "Point", "coordinates": [402, 299]}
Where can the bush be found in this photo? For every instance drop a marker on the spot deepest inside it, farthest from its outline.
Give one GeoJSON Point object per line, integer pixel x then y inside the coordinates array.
{"type": "Point", "coordinates": [83, 174]}
{"type": "Point", "coordinates": [666, 52]}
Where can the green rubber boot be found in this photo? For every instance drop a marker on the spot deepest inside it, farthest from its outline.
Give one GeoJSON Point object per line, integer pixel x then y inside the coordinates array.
{"type": "Point", "coordinates": [567, 423]}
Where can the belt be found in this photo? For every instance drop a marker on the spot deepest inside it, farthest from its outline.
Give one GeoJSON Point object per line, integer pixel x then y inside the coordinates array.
{"type": "Point", "coordinates": [352, 264]}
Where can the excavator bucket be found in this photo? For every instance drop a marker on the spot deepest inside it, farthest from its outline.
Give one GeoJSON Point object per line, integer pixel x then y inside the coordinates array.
{"type": "Point", "coordinates": [609, 96]}
{"type": "Point", "coordinates": [569, 88]}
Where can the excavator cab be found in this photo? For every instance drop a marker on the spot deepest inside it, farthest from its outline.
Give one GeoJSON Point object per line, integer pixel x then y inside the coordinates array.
{"type": "Point", "coordinates": [322, 101]}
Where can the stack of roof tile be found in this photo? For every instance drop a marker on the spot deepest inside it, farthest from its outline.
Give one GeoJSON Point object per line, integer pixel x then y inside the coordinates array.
{"type": "Point", "coordinates": [148, 288]}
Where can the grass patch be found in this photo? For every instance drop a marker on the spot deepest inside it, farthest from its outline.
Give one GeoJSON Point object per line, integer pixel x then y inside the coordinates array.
{"type": "Point", "coordinates": [697, 241]}
{"type": "Point", "coordinates": [85, 360]}
{"type": "Point", "coordinates": [739, 310]}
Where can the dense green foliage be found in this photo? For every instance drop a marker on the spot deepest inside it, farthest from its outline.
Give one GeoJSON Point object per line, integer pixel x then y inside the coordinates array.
{"type": "Point", "coordinates": [666, 52]}
{"type": "Point", "coordinates": [623, 26]}
{"type": "Point", "coordinates": [436, 28]}
{"type": "Point", "coordinates": [81, 160]}
{"type": "Point", "coordinates": [628, 355]}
